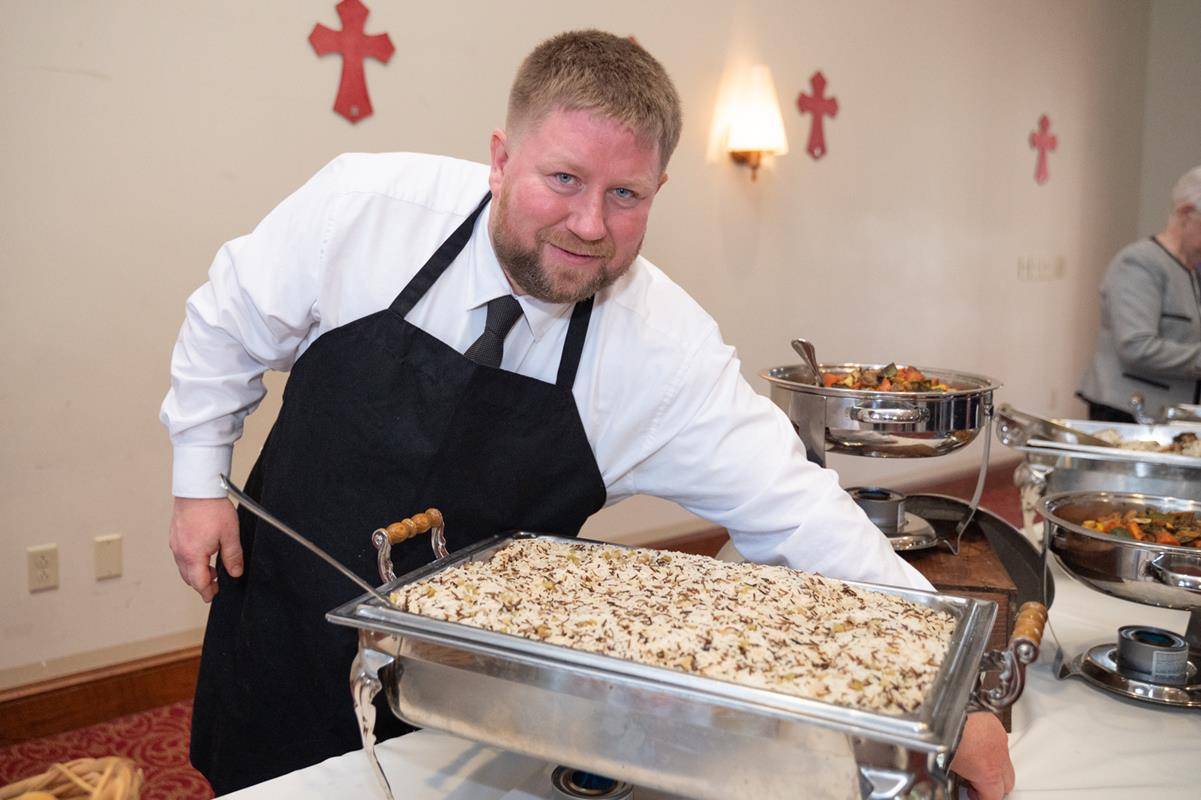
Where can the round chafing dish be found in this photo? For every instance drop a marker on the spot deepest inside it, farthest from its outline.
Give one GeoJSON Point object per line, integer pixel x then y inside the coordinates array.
{"type": "Point", "coordinates": [1154, 574]}
{"type": "Point", "coordinates": [866, 422]}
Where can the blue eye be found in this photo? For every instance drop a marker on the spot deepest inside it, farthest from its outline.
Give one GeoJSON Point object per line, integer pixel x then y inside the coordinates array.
{"type": "Point", "coordinates": [563, 178]}
{"type": "Point", "coordinates": [624, 194]}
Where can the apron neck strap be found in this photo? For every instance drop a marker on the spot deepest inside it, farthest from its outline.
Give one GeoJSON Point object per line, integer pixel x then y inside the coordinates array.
{"type": "Point", "coordinates": [419, 284]}
{"type": "Point", "coordinates": [438, 262]}
{"type": "Point", "coordinates": [577, 330]}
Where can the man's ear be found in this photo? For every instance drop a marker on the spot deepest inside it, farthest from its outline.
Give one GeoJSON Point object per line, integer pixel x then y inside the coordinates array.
{"type": "Point", "coordinates": [499, 148]}
{"type": "Point", "coordinates": [662, 180]}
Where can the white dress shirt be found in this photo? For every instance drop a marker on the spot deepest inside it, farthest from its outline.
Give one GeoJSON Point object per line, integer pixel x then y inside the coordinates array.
{"type": "Point", "coordinates": [663, 403]}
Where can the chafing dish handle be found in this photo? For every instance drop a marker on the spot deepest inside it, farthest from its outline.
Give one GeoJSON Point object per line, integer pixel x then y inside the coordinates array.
{"type": "Point", "coordinates": [904, 415]}
{"type": "Point", "coordinates": [1011, 662]}
{"type": "Point", "coordinates": [1159, 569]}
{"type": "Point", "coordinates": [383, 538]}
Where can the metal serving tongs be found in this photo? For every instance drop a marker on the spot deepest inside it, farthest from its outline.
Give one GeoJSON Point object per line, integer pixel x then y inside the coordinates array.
{"type": "Point", "coordinates": [364, 676]}
{"type": "Point", "coordinates": [382, 538]}
{"type": "Point", "coordinates": [1016, 428]}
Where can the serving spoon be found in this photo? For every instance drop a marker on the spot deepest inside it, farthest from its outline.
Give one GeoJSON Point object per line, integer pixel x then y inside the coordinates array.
{"type": "Point", "coordinates": [808, 354]}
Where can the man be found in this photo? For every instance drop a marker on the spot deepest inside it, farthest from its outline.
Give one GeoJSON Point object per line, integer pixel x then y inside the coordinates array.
{"type": "Point", "coordinates": [530, 369]}
{"type": "Point", "coordinates": [1150, 336]}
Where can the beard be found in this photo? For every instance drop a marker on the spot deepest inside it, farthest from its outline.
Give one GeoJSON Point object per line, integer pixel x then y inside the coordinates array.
{"type": "Point", "coordinates": [526, 269]}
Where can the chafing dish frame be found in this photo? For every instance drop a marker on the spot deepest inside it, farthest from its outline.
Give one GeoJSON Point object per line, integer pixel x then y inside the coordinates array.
{"type": "Point", "coordinates": [657, 727]}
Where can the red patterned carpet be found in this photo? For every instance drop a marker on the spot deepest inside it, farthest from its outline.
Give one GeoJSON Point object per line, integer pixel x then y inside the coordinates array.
{"type": "Point", "coordinates": [156, 740]}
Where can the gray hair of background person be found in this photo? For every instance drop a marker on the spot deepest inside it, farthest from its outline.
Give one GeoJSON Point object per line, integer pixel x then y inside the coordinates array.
{"type": "Point", "coordinates": [1188, 190]}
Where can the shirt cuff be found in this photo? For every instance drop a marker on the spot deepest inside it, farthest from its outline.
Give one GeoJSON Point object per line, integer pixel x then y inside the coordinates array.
{"type": "Point", "coordinates": [196, 469]}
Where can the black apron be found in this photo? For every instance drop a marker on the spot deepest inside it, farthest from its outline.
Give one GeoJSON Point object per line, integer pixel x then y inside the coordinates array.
{"type": "Point", "coordinates": [379, 420]}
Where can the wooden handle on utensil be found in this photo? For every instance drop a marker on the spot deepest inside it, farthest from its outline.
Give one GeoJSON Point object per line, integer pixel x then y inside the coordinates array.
{"type": "Point", "coordinates": [411, 526]}
{"type": "Point", "coordinates": [1032, 617]}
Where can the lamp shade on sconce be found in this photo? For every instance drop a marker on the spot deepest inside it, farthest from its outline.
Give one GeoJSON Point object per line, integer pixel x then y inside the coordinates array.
{"type": "Point", "coordinates": [757, 127]}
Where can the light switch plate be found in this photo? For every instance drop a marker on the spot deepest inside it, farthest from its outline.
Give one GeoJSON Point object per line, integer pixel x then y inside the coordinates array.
{"type": "Point", "coordinates": [108, 556]}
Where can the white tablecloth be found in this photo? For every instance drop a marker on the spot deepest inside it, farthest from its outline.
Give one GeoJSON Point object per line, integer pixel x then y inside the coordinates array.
{"type": "Point", "coordinates": [1069, 739]}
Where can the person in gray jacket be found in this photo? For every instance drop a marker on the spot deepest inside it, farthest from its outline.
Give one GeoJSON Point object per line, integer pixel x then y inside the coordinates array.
{"type": "Point", "coordinates": [1150, 337]}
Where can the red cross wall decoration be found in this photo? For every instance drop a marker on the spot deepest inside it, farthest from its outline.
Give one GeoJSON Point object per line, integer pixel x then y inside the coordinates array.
{"type": "Point", "coordinates": [1043, 140]}
{"type": "Point", "coordinates": [354, 45]}
{"type": "Point", "coordinates": [819, 106]}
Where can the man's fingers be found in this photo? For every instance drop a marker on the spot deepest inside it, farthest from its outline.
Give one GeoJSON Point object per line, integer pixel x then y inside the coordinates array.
{"type": "Point", "coordinates": [231, 551]}
{"type": "Point", "coordinates": [199, 576]}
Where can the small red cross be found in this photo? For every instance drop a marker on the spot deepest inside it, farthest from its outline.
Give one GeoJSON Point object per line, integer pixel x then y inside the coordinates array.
{"type": "Point", "coordinates": [1043, 140]}
{"type": "Point", "coordinates": [352, 101]}
{"type": "Point", "coordinates": [819, 106]}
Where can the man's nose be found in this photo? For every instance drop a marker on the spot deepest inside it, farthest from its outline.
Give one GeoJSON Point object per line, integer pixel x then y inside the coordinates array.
{"type": "Point", "coordinates": [587, 217]}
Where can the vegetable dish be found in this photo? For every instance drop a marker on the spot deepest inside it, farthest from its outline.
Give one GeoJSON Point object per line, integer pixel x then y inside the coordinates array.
{"type": "Point", "coordinates": [1179, 528]}
{"type": "Point", "coordinates": [888, 379]}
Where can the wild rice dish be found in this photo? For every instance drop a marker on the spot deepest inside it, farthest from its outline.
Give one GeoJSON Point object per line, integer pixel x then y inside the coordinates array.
{"type": "Point", "coordinates": [762, 626]}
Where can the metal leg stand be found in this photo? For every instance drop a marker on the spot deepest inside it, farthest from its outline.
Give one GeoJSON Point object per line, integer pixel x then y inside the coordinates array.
{"type": "Point", "coordinates": [364, 686]}
{"type": "Point", "coordinates": [963, 523]}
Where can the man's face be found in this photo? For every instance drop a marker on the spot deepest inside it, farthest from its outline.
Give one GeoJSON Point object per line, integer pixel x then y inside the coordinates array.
{"type": "Point", "coordinates": [572, 197]}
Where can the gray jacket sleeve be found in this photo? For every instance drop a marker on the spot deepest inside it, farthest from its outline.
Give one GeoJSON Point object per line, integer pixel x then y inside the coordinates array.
{"type": "Point", "coordinates": [1134, 294]}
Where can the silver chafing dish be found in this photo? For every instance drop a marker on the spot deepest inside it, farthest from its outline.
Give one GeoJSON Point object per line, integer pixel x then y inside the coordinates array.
{"type": "Point", "coordinates": [1153, 574]}
{"type": "Point", "coordinates": [1142, 572]}
{"type": "Point", "coordinates": [666, 729]}
{"type": "Point", "coordinates": [865, 422]}
{"type": "Point", "coordinates": [886, 424]}
{"type": "Point", "coordinates": [1050, 467]}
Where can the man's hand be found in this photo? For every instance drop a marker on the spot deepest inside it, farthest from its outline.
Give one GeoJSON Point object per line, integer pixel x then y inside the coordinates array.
{"type": "Point", "coordinates": [983, 757]}
{"type": "Point", "coordinates": [200, 528]}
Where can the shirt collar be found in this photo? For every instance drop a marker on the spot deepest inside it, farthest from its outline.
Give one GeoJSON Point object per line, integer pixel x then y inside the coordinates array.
{"type": "Point", "coordinates": [488, 282]}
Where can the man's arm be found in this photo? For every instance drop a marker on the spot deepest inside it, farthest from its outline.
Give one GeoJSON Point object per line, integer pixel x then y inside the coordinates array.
{"type": "Point", "coordinates": [982, 758]}
{"type": "Point", "coordinates": [736, 460]}
{"type": "Point", "coordinates": [729, 455]}
{"type": "Point", "coordinates": [251, 315]}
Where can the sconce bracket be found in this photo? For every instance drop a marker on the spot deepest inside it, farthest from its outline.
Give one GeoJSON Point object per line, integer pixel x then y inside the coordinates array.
{"type": "Point", "coordinates": [752, 158]}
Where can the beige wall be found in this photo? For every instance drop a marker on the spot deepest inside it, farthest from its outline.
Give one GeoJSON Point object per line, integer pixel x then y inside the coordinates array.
{"type": "Point", "coordinates": [1172, 107]}
{"type": "Point", "coordinates": [138, 136]}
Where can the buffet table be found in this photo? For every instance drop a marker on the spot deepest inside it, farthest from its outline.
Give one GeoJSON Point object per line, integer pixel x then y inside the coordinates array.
{"type": "Point", "coordinates": [1069, 739]}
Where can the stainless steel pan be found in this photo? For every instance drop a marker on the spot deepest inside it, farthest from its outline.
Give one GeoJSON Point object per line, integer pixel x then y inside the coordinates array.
{"type": "Point", "coordinates": [1155, 574]}
{"type": "Point", "coordinates": [672, 730]}
{"type": "Point", "coordinates": [883, 424]}
{"type": "Point", "coordinates": [657, 727]}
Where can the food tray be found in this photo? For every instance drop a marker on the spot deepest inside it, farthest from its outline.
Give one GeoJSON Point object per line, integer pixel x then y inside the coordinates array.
{"type": "Point", "coordinates": [1144, 572]}
{"type": "Point", "coordinates": [868, 422]}
{"type": "Point", "coordinates": [656, 727]}
{"type": "Point", "coordinates": [1163, 434]}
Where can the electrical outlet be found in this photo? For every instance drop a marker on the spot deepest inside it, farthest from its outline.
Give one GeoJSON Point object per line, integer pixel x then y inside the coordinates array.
{"type": "Point", "coordinates": [108, 556]}
{"type": "Point", "coordinates": [43, 567]}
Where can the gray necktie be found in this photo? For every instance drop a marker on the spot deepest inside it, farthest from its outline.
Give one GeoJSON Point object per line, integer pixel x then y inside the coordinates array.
{"type": "Point", "coordinates": [502, 313]}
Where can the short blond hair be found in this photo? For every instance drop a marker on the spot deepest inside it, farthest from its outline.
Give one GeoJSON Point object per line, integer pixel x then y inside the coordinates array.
{"type": "Point", "coordinates": [608, 75]}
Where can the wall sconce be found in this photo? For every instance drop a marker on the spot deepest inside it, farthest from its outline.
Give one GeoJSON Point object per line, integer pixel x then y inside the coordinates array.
{"type": "Point", "coordinates": [757, 128]}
